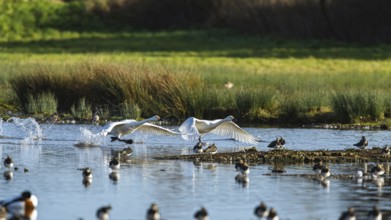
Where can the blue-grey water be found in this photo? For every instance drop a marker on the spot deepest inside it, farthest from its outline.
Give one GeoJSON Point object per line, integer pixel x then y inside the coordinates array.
{"type": "Point", "coordinates": [179, 187]}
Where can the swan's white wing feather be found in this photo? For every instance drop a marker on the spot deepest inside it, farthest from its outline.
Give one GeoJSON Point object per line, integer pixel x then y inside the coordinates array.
{"type": "Point", "coordinates": [155, 129]}
{"type": "Point", "coordinates": [232, 130]}
{"type": "Point", "coordinates": [118, 127]}
{"type": "Point", "coordinates": [188, 129]}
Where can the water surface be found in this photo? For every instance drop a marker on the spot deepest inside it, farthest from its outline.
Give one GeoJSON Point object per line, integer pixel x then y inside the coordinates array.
{"type": "Point", "coordinates": [180, 187]}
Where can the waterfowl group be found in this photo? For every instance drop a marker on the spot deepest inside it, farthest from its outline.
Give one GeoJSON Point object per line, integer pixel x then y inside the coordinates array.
{"type": "Point", "coordinates": [211, 149]}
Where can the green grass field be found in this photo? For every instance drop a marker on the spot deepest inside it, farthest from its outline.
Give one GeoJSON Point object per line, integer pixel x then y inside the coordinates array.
{"type": "Point", "coordinates": [275, 80]}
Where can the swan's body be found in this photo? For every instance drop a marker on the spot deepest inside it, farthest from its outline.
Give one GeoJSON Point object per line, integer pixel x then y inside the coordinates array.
{"type": "Point", "coordinates": [124, 127]}
{"type": "Point", "coordinates": [193, 128]}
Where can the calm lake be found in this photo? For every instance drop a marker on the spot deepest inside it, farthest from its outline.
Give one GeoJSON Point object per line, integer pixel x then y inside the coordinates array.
{"type": "Point", "coordinates": [180, 188]}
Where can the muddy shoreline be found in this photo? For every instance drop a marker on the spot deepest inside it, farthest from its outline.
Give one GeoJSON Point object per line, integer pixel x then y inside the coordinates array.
{"type": "Point", "coordinates": [254, 156]}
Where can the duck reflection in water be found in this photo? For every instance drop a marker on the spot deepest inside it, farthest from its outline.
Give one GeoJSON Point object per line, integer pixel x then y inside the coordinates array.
{"type": "Point", "coordinates": [8, 175]}
{"type": "Point", "coordinates": [114, 176]}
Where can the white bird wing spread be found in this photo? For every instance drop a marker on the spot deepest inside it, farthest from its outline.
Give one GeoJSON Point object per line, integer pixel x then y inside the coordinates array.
{"type": "Point", "coordinates": [155, 129]}
{"type": "Point", "coordinates": [118, 125]}
{"type": "Point", "coordinates": [232, 130]}
{"type": "Point", "coordinates": [189, 130]}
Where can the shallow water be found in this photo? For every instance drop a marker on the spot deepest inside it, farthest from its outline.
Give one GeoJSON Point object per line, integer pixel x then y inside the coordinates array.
{"type": "Point", "coordinates": [180, 187]}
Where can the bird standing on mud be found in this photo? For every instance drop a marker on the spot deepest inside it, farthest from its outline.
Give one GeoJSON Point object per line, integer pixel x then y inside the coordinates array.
{"type": "Point", "coordinates": [198, 148]}
{"type": "Point", "coordinates": [362, 144]}
{"type": "Point", "coordinates": [124, 127]}
{"type": "Point", "coordinates": [277, 144]}
{"type": "Point", "coordinates": [212, 149]}
{"type": "Point", "coordinates": [193, 128]}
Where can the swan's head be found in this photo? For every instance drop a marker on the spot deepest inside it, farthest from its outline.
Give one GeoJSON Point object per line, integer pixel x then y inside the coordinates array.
{"type": "Point", "coordinates": [155, 118]}
{"type": "Point", "coordinates": [230, 118]}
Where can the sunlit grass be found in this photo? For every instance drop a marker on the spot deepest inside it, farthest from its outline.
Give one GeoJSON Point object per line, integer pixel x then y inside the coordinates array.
{"type": "Point", "coordinates": [273, 79]}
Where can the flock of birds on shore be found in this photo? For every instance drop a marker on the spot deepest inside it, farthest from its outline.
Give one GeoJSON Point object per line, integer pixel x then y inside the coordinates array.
{"type": "Point", "coordinates": [23, 206]}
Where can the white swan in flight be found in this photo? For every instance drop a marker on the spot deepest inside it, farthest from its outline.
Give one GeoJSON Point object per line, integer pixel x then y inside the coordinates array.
{"type": "Point", "coordinates": [193, 128]}
{"type": "Point", "coordinates": [124, 127]}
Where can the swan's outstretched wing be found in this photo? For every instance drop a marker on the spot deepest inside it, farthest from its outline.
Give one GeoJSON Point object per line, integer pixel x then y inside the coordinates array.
{"type": "Point", "coordinates": [189, 130]}
{"type": "Point", "coordinates": [232, 130]}
{"type": "Point", "coordinates": [155, 129]}
{"type": "Point", "coordinates": [117, 127]}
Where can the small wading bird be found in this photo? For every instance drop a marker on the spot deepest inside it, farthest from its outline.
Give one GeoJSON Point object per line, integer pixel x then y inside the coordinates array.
{"type": "Point", "coordinates": [362, 144]}
{"type": "Point", "coordinates": [124, 127]}
{"type": "Point", "coordinates": [212, 149]}
{"type": "Point", "coordinates": [103, 213]}
{"type": "Point", "coordinates": [201, 214]}
{"type": "Point", "coordinates": [123, 154]}
{"type": "Point", "coordinates": [22, 206]}
{"type": "Point", "coordinates": [348, 215]}
{"type": "Point", "coordinates": [386, 150]}
{"type": "Point", "coordinates": [277, 144]}
{"type": "Point", "coordinates": [193, 128]}
{"type": "Point", "coordinates": [377, 170]}
{"type": "Point", "coordinates": [153, 212]}
{"type": "Point", "coordinates": [198, 148]}
{"type": "Point", "coordinates": [317, 168]}
{"type": "Point", "coordinates": [261, 211]}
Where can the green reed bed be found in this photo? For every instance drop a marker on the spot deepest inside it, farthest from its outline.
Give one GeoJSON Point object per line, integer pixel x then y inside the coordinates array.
{"type": "Point", "coordinates": [131, 90]}
{"type": "Point", "coordinates": [180, 74]}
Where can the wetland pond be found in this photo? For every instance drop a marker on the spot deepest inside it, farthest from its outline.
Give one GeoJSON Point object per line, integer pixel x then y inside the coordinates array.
{"type": "Point", "coordinates": [180, 188]}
